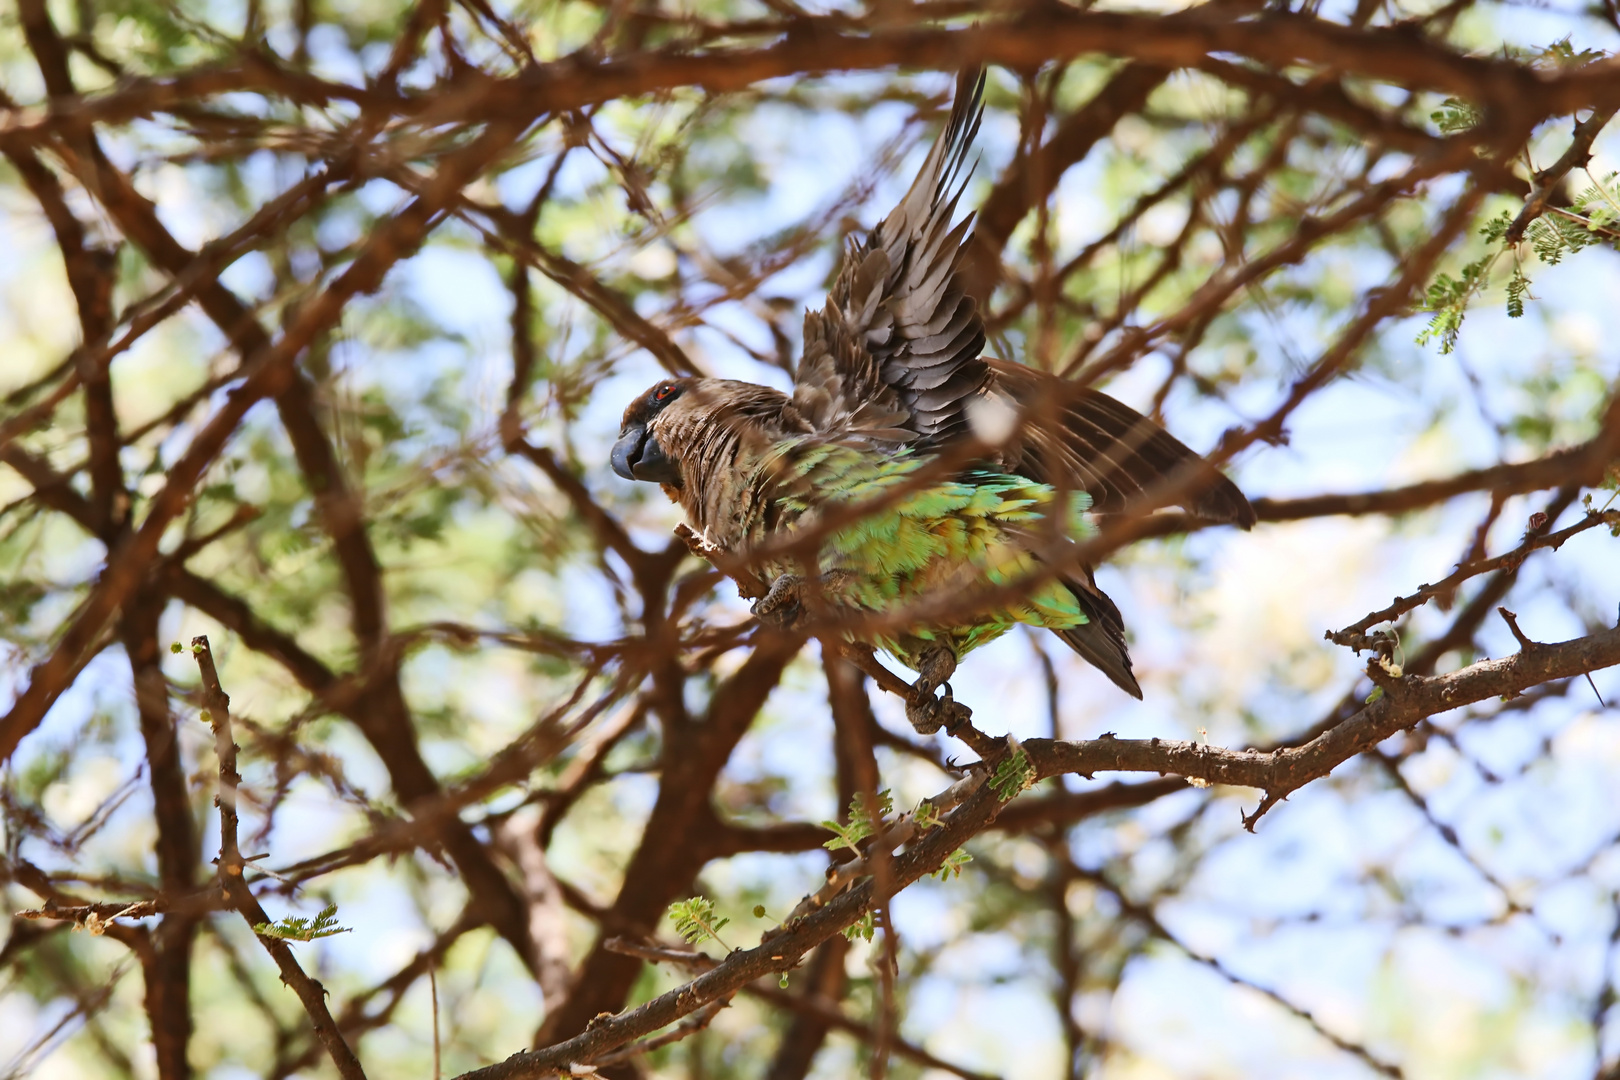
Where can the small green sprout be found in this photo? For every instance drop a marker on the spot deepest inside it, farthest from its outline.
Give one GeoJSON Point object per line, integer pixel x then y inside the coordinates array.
{"type": "Point", "coordinates": [696, 922]}
{"type": "Point", "coordinates": [862, 821]}
{"type": "Point", "coordinates": [1454, 115]}
{"type": "Point", "coordinates": [926, 816]}
{"type": "Point", "coordinates": [952, 866]}
{"type": "Point", "coordinates": [292, 929]}
{"type": "Point", "coordinates": [1016, 773]}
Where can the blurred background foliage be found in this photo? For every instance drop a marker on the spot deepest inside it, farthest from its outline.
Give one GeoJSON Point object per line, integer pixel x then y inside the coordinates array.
{"type": "Point", "coordinates": [1445, 906]}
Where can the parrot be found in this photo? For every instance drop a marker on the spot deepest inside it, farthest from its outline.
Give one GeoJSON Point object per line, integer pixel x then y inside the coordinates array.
{"type": "Point", "coordinates": [907, 471]}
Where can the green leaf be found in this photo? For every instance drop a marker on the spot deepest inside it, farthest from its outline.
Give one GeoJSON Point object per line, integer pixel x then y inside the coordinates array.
{"type": "Point", "coordinates": [696, 920]}
{"type": "Point", "coordinates": [1554, 236]}
{"type": "Point", "coordinates": [1496, 228]}
{"type": "Point", "coordinates": [1564, 55]}
{"type": "Point", "coordinates": [952, 866]}
{"type": "Point", "coordinates": [859, 809]}
{"type": "Point", "coordinates": [1447, 299]}
{"type": "Point", "coordinates": [926, 816]}
{"type": "Point", "coordinates": [1015, 773]}
{"type": "Point", "coordinates": [1597, 200]}
{"type": "Point", "coordinates": [863, 929]}
{"type": "Point", "coordinates": [1454, 115]}
{"type": "Point", "coordinates": [323, 925]}
{"type": "Point", "coordinates": [848, 835]}
{"type": "Point", "coordinates": [863, 822]}
{"type": "Point", "coordinates": [1518, 288]}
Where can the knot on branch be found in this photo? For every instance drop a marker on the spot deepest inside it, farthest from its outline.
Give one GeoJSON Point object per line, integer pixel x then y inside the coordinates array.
{"type": "Point", "coordinates": [1382, 643]}
{"type": "Point", "coordinates": [1386, 675]}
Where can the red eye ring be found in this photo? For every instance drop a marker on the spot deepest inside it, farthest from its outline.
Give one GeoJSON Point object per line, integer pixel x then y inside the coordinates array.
{"type": "Point", "coordinates": [663, 392]}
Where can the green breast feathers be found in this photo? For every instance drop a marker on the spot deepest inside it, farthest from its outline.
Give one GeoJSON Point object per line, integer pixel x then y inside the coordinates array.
{"type": "Point", "coordinates": [885, 540]}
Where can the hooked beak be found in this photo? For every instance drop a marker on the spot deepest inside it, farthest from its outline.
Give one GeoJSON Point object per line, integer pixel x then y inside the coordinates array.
{"type": "Point", "coordinates": [638, 456]}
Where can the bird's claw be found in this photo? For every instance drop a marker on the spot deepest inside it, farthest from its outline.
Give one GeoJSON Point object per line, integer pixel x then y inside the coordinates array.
{"type": "Point", "coordinates": [924, 715]}
{"type": "Point", "coordinates": [927, 713]}
{"type": "Point", "coordinates": [781, 607]}
{"type": "Point", "coordinates": [930, 714]}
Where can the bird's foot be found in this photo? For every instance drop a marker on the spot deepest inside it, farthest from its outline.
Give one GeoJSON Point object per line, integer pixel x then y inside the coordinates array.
{"type": "Point", "coordinates": [930, 714]}
{"type": "Point", "coordinates": [926, 712]}
{"type": "Point", "coordinates": [798, 604]}
{"type": "Point", "coordinates": [781, 606]}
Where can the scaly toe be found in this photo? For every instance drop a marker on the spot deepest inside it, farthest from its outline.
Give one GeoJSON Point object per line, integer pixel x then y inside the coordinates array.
{"type": "Point", "coordinates": [781, 617]}
{"type": "Point", "coordinates": [924, 716]}
{"type": "Point", "coordinates": [780, 607]}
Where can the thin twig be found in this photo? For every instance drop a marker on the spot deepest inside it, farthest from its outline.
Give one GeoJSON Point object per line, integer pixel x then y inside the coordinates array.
{"type": "Point", "coordinates": [232, 867]}
{"type": "Point", "coordinates": [1546, 181]}
{"type": "Point", "coordinates": [1355, 637]}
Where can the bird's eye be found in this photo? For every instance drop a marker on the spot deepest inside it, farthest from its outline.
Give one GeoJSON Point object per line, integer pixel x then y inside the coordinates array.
{"type": "Point", "coordinates": [663, 392]}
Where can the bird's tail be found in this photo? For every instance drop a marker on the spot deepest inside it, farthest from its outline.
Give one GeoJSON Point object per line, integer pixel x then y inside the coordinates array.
{"type": "Point", "coordinates": [1101, 640]}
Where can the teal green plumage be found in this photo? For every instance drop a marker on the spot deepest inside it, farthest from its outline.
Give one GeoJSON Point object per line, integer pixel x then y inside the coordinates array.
{"type": "Point", "coordinates": [969, 531]}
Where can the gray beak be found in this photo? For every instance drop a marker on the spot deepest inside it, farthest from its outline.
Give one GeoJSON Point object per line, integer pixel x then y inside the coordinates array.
{"type": "Point", "coordinates": [638, 456]}
{"type": "Point", "coordinates": [627, 450]}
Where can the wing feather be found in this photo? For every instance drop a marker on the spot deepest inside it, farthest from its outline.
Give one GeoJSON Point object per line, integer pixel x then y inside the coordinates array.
{"type": "Point", "coordinates": [895, 357]}
{"type": "Point", "coordinates": [1107, 449]}
{"type": "Point", "coordinates": [898, 333]}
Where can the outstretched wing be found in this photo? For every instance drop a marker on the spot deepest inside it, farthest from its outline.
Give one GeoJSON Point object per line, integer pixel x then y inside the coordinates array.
{"type": "Point", "coordinates": [1107, 449]}
{"type": "Point", "coordinates": [894, 356]}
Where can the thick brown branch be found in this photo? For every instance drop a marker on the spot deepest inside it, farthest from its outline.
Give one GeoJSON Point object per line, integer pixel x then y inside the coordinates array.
{"type": "Point", "coordinates": [1034, 812]}
{"type": "Point", "coordinates": [136, 98]}
{"type": "Point", "coordinates": [1030, 37]}
{"type": "Point", "coordinates": [1405, 702]}
{"type": "Point", "coordinates": [1278, 773]}
{"type": "Point", "coordinates": [1035, 36]}
{"type": "Point", "coordinates": [821, 1009]}
{"type": "Point", "coordinates": [780, 952]}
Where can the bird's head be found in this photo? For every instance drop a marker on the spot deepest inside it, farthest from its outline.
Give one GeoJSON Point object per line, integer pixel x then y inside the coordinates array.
{"type": "Point", "coordinates": [684, 432]}
{"type": "Point", "coordinates": [638, 455]}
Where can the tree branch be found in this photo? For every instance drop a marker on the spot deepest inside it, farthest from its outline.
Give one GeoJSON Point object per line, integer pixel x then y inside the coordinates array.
{"type": "Point", "coordinates": [232, 868]}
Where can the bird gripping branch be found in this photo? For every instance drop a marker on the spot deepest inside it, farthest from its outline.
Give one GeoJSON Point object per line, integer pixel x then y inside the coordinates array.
{"type": "Point", "coordinates": [892, 386]}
